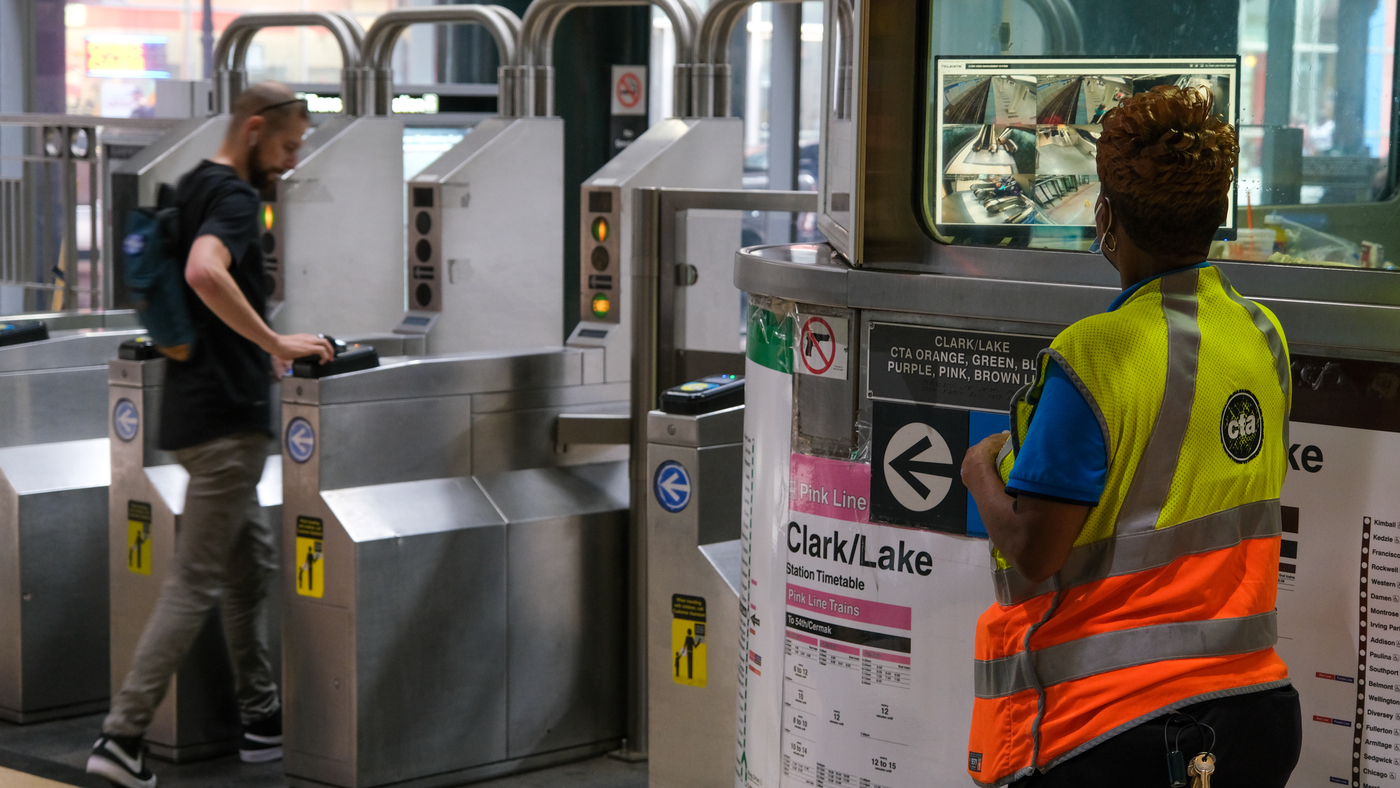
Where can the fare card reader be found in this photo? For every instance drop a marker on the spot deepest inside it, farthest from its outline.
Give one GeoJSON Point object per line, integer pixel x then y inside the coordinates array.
{"type": "Point", "coordinates": [22, 332]}
{"type": "Point", "coordinates": [138, 349]}
{"type": "Point", "coordinates": [705, 395]}
{"type": "Point", "coordinates": [694, 471]}
{"type": "Point", "coordinates": [348, 358]}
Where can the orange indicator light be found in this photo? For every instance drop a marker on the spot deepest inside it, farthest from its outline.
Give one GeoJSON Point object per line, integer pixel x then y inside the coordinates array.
{"type": "Point", "coordinates": [600, 230]}
{"type": "Point", "coordinates": [267, 217]}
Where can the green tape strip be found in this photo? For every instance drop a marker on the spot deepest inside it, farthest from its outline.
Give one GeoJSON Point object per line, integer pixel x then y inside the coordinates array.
{"type": "Point", "coordinates": [770, 339]}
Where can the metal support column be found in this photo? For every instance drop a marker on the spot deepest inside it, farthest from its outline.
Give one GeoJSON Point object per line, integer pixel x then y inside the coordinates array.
{"type": "Point", "coordinates": [784, 99]}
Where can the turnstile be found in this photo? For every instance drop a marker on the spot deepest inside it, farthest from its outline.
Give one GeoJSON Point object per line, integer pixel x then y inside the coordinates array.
{"type": "Point", "coordinates": [54, 472]}
{"type": "Point", "coordinates": [693, 565]}
{"type": "Point", "coordinates": [665, 155]}
{"type": "Point", "coordinates": [199, 717]}
{"type": "Point", "coordinates": [454, 582]}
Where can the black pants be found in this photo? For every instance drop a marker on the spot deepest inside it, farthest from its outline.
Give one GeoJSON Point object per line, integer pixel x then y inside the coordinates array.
{"type": "Point", "coordinates": [1258, 737]}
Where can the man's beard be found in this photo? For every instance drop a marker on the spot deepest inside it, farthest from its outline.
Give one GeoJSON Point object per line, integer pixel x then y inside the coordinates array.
{"type": "Point", "coordinates": [259, 177]}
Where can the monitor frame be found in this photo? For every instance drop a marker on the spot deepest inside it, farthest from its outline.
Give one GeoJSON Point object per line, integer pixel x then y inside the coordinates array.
{"type": "Point", "coordinates": [930, 160]}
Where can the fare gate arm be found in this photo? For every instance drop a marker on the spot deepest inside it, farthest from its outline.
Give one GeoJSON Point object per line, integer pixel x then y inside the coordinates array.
{"type": "Point", "coordinates": [657, 248]}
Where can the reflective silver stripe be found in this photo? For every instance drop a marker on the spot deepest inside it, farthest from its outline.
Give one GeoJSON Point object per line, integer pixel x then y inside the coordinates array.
{"type": "Point", "coordinates": [1125, 648]}
{"type": "Point", "coordinates": [1275, 342]}
{"type": "Point", "coordinates": [1013, 589]}
{"type": "Point", "coordinates": [1152, 479]}
{"type": "Point", "coordinates": [1143, 550]}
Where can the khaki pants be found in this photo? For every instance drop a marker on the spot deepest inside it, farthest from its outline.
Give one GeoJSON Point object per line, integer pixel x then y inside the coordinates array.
{"type": "Point", "coordinates": [223, 549]}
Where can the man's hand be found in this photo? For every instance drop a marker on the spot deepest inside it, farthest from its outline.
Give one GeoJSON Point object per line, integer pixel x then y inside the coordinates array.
{"type": "Point", "coordinates": [1035, 534]}
{"type": "Point", "coordinates": [289, 347]}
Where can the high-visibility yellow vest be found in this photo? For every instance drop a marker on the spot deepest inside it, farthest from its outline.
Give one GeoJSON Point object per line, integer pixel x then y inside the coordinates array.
{"type": "Point", "coordinates": [1167, 598]}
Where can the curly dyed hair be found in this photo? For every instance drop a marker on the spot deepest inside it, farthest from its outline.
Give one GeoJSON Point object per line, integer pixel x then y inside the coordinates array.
{"type": "Point", "coordinates": [1166, 160]}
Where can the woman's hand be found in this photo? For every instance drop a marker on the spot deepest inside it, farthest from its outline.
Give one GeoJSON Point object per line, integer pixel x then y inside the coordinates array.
{"type": "Point", "coordinates": [984, 455]}
{"type": "Point", "coordinates": [1035, 534]}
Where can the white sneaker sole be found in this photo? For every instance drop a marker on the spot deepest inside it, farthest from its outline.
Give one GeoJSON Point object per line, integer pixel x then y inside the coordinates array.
{"type": "Point", "coordinates": [260, 756]}
{"type": "Point", "coordinates": [110, 771]}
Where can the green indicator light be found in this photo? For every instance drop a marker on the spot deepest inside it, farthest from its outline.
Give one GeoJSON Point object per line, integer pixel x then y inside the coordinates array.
{"type": "Point", "coordinates": [600, 230]}
{"type": "Point", "coordinates": [601, 306]}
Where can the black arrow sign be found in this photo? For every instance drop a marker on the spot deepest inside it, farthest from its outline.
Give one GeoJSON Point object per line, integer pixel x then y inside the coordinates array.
{"type": "Point", "coordinates": [906, 466]}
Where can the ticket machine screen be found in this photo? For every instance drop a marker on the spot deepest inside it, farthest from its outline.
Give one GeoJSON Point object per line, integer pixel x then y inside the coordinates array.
{"type": "Point", "coordinates": [1013, 141]}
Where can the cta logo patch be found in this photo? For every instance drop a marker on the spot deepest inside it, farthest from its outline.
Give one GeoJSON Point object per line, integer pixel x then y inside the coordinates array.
{"type": "Point", "coordinates": [1242, 426]}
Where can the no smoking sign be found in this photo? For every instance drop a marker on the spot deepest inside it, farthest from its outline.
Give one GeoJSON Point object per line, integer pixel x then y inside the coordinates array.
{"type": "Point", "coordinates": [629, 90]}
{"type": "Point", "coordinates": [821, 347]}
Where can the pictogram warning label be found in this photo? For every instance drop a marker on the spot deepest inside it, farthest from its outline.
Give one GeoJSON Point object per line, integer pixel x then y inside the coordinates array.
{"type": "Point", "coordinates": [688, 640]}
{"type": "Point", "coordinates": [629, 93]}
{"type": "Point", "coordinates": [821, 347]}
{"type": "Point", "coordinates": [311, 567]}
{"type": "Point", "coordinates": [138, 537]}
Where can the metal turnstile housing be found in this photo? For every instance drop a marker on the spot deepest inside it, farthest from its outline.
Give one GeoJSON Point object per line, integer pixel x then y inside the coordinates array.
{"type": "Point", "coordinates": [485, 237]}
{"type": "Point", "coordinates": [199, 717]}
{"type": "Point", "coordinates": [669, 154]}
{"type": "Point", "coordinates": [54, 471]}
{"type": "Point", "coordinates": [470, 618]}
{"type": "Point", "coordinates": [694, 553]}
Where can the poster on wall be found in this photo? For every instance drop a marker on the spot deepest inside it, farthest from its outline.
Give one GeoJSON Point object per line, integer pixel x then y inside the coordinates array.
{"type": "Point", "coordinates": [878, 642]}
{"type": "Point", "coordinates": [1339, 603]}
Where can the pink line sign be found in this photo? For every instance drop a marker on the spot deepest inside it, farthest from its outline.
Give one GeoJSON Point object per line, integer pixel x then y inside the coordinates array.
{"type": "Point", "coordinates": [865, 611]}
{"type": "Point", "coordinates": [830, 488]}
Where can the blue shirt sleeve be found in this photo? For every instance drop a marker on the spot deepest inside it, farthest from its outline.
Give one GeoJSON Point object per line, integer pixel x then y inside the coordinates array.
{"type": "Point", "coordinates": [1063, 456]}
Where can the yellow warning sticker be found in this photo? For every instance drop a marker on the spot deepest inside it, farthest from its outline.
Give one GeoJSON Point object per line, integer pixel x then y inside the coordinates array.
{"type": "Point", "coordinates": [688, 640]}
{"type": "Point", "coordinates": [311, 569]}
{"type": "Point", "coordinates": [138, 537]}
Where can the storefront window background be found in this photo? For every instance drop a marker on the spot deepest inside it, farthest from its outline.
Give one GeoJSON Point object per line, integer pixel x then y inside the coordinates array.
{"type": "Point", "coordinates": [115, 53]}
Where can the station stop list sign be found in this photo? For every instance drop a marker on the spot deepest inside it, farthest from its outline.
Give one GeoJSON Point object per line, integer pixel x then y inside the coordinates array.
{"type": "Point", "coordinates": [934, 392]}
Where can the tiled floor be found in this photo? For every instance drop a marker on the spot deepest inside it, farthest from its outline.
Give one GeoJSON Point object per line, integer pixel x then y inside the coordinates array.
{"type": "Point", "coordinates": [58, 750]}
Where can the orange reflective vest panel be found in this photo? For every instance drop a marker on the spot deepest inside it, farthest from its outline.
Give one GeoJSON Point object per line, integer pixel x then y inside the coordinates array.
{"type": "Point", "coordinates": [1167, 598]}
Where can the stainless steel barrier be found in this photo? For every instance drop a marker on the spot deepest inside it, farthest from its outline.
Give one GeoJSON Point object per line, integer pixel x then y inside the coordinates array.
{"type": "Point", "coordinates": [453, 580]}
{"type": "Point", "coordinates": [199, 717]}
{"type": "Point", "coordinates": [693, 601]}
{"type": "Point", "coordinates": [54, 474]}
{"type": "Point", "coordinates": [660, 360]}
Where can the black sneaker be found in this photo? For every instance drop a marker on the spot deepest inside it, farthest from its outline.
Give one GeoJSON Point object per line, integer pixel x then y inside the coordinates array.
{"type": "Point", "coordinates": [262, 740]}
{"type": "Point", "coordinates": [121, 761]}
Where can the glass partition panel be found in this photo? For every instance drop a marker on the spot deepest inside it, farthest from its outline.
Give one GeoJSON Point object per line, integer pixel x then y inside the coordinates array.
{"type": "Point", "coordinates": [1014, 90]}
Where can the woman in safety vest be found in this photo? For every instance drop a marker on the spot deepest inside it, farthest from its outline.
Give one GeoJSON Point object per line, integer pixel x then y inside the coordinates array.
{"type": "Point", "coordinates": [1134, 511]}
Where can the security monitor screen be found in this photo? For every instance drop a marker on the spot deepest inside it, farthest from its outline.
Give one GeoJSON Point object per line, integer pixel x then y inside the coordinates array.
{"type": "Point", "coordinates": [1013, 141]}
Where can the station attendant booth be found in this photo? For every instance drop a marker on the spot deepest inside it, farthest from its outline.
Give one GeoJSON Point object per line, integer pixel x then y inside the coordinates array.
{"type": "Point", "coordinates": [957, 199]}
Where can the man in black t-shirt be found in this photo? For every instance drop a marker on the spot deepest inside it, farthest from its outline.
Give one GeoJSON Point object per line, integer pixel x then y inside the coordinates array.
{"type": "Point", "coordinates": [216, 419]}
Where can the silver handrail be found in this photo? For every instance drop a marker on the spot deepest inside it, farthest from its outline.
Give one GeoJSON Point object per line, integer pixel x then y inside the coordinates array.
{"type": "Point", "coordinates": [711, 92]}
{"type": "Point", "coordinates": [535, 77]}
{"type": "Point", "coordinates": [845, 39]}
{"type": "Point", "coordinates": [378, 72]}
{"type": "Point", "coordinates": [231, 53]}
{"type": "Point", "coordinates": [1061, 25]}
{"type": "Point", "coordinates": [356, 32]}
